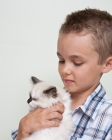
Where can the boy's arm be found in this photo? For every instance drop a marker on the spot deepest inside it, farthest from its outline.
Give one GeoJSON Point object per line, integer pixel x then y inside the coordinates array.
{"type": "Point", "coordinates": [37, 120]}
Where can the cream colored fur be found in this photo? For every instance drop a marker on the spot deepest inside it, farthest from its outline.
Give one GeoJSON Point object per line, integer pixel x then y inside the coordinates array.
{"type": "Point", "coordinates": [55, 133]}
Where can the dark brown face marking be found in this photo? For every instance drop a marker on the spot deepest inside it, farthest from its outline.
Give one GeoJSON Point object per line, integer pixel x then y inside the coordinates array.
{"type": "Point", "coordinates": [35, 80]}
{"type": "Point", "coordinates": [30, 99]}
{"type": "Point", "coordinates": [51, 91]}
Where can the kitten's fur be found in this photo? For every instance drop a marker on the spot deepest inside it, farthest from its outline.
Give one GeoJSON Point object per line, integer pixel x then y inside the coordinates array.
{"type": "Point", "coordinates": [45, 95]}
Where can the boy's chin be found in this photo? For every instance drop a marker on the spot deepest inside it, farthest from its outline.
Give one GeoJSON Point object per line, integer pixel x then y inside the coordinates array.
{"type": "Point", "coordinates": [70, 90]}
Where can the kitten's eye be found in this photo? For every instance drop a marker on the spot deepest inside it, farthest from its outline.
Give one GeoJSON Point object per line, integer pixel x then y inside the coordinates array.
{"type": "Point", "coordinates": [34, 99]}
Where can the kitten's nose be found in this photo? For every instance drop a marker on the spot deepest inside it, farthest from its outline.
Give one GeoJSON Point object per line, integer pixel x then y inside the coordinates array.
{"type": "Point", "coordinates": [29, 100]}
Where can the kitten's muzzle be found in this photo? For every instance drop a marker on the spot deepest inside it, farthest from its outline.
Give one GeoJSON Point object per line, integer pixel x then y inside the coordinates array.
{"type": "Point", "coordinates": [31, 99]}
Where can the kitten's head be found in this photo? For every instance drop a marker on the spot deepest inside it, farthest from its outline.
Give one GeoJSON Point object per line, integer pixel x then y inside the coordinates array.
{"type": "Point", "coordinates": [42, 94]}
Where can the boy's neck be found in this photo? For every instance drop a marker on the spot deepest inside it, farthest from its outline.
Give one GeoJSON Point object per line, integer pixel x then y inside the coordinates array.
{"type": "Point", "coordinates": [77, 102]}
{"type": "Point", "coordinates": [80, 98]}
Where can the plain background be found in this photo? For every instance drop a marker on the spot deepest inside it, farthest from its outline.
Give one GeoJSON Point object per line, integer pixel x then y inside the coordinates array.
{"type": "Point", "coordinates": [28, 40]}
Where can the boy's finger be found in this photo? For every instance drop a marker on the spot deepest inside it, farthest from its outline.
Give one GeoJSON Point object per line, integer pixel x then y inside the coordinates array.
{"type": "Point", "coordinates": [55, 116]}
{"type": "Point", "coordinates": [56, 108]}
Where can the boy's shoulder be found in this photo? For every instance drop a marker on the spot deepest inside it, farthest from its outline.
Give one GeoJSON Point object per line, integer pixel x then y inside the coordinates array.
{"type": "Point", "coordinates": [107, 100]}
{"type": "Point", "coordinates": [106, 106]}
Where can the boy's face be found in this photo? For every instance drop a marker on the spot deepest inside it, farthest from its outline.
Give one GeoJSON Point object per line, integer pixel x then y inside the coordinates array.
{"type": "Point", "coordinates": [78, 63]}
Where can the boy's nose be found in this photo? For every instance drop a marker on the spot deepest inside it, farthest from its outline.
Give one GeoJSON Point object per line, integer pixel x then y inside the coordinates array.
{"type": "Point", "coordinates": [66, 70]}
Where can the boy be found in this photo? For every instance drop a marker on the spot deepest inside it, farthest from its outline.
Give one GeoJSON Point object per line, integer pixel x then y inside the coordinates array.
{"type": "Point", "coordinates": [85, 53]}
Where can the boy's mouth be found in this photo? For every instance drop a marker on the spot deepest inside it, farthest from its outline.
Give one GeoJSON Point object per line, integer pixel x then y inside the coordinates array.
{"type": "Point", "coordinates": [67, 81]}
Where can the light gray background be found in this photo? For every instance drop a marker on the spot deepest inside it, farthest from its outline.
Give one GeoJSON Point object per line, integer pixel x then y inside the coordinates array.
{"type": "Point", "coordinates": [28, 40]}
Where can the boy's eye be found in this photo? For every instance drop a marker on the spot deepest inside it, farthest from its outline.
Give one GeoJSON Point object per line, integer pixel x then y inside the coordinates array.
{"type": "Point", "coordinates": [78, 64]}
{"type": "Point", "coordinates": [61, 61]}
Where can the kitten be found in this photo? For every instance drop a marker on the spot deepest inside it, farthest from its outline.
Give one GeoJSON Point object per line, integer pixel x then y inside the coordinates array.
{"type": "Point", "coordinates": [45, 95]}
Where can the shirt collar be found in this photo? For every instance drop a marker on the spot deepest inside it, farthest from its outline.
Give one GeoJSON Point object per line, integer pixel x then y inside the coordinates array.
{"type": "Point", "coordinates": [93, 102]}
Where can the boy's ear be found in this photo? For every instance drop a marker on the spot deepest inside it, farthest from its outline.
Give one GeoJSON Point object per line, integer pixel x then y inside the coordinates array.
{"type": "Point", "coordinates": [107, 66]}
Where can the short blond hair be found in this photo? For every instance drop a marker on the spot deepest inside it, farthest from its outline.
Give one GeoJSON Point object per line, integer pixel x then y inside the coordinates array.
{"type": "Point", "coordinates": [96, 22]}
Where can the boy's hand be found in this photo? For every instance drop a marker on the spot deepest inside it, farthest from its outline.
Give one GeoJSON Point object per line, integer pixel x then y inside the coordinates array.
{"type": "Point", "coordinates": [39, 119]}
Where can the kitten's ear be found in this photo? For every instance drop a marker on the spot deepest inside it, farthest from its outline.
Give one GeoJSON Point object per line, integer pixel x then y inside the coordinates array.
{"type": "Point", "coordinates": [51, 91]}
{"type": "Point", "coordinates": [35, 80]}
